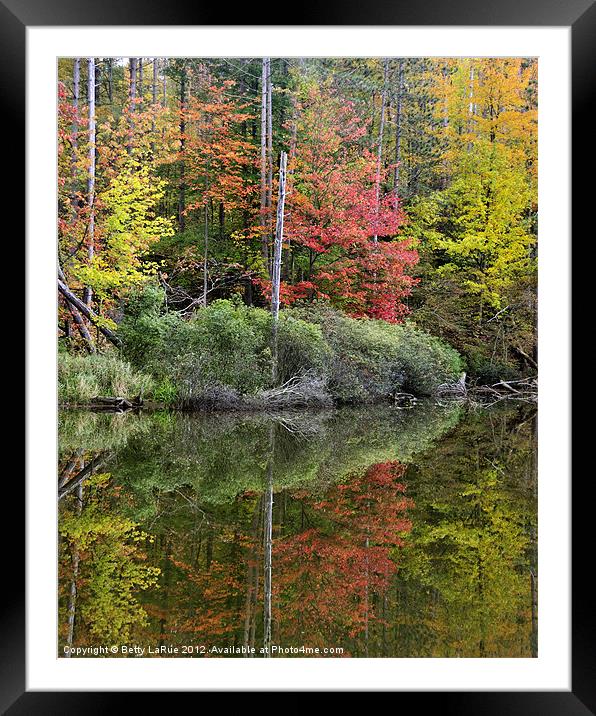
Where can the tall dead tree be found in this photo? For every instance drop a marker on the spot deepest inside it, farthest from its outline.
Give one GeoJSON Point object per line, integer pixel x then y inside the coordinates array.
{"type": "Point", "coordinates": [277, 250]}
{"type": "Point", "coordinates": [380, 142]}
{"type": "Point", "coordinates": [269, 147]}
{"type": "Point", "coordinates": [268, 546]}
{"type": "Point", "coordinates": [264, 167]}
{"type": "Point", "coordinates": [398, 128]}
{"type": "Point", "coordinates": [88, 293]}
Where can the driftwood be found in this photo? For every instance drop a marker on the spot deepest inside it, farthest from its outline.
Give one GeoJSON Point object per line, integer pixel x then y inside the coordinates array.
{"type": "Point", "coordinates": [457, 389]}
{"type": "Point", "coordinates": [524, 390]}
{"type": "Point", "coordinates": [116, 403]}
{"type": "Point", "coordinates": [529, 360]}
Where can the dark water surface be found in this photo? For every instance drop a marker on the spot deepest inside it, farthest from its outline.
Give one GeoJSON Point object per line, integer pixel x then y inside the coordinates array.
{"type": "Point", "coordinates": [380, 532]}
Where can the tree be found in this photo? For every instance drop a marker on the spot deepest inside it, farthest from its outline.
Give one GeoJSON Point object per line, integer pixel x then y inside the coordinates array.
{"type": "Point", "coordinates": [334, 213]}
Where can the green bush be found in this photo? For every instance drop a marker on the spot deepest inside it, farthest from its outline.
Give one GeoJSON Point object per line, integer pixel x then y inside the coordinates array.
{"type": "Point", "coordinates": [373, 359]}
{"type": "Point", "coordinates": [228, 345]}
{"type": "Point", "coordinates": [301, 348]}
{"type": "Point", "coordinates": [488, 372]}
{"type": "Point", "coordinates": [424, 360]}
{"type": "Point", "coordinates": [82, 378]}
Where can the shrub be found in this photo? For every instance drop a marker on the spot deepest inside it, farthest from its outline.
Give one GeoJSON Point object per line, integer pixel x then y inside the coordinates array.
{"type": "Point", "coordinates": [488, 372]}
{"type": "Point", "coordinates": [225, 344]}
{"type": "Point", "coordinates": [225, 350]}
{"type": "Point", "coordinates": [373, 359]}
{"type": "Point", "coordinates": [82, 378]}
{"type": "Point", "coordinates": [301, 348]}
{"type": "Point", "coordinates": [425, 360]}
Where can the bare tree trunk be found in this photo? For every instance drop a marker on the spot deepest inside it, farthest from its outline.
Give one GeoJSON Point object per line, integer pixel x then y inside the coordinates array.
{"type": "Point", "coordinates": [380, 144]}
{"type": "Point", "coordinates": [78, 319]}
{"type": "Point", "coordinates": [88, 294]}
{"type": "Point", "coordinates": [76, 91]}
{"type": "Point", "coordinates": [82, 326]}
{"type": "Point", "coordinates": [182, 184]}
{"type": "Point", "coordinates": [288, 263]}
{"type": "Point", "coordinates": [268, 547]}
{"type": "Point", "coordinates": [276, 272]}
{"type": "Point", "coordinates": [269, 148]}
{"type": "Point", "coordinates": [140, 88]}
{"type": "Point", "coordinates": [264, 83]}
{"type": "Point", "coordinates": [398, 125]}
{"type": "Point", "coordinates": [72, 600]}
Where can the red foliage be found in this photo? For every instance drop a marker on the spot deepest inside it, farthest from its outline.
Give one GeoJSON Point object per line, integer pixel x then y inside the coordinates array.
{"type": "Point", "coordinates": [340, 228]}
{"type": "Point", "coordinates": [326, 576]}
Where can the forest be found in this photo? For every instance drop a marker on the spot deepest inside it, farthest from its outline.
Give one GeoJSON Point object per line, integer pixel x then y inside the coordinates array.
{"type": "Point", "coordinates": [407, 251]}
{"type": "Point", "coordinates": [297, 357]}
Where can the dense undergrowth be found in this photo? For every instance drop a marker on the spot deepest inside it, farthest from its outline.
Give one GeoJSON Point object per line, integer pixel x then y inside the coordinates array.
{"type": "Point", "coordinates": [222, 357]}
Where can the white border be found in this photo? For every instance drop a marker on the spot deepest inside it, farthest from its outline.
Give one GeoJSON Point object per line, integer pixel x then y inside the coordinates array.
{"type": "Point", "coordinates": [551, 670]}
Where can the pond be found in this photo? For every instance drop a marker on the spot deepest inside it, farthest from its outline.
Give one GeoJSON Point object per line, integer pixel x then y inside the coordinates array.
{"type": "Point", "coordinates": [354, 532]}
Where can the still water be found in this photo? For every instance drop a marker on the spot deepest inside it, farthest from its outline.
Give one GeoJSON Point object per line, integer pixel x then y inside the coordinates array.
{"type": "Point", "coordinates": [368, 532]}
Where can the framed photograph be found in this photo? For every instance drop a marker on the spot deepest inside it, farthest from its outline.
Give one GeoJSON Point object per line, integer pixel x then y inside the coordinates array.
{"type": "Point", "coordinates": [298, 354]}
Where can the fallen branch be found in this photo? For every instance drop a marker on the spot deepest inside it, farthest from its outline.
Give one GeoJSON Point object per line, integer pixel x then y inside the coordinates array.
{"type": "Point", "coordinates": [87, 312]}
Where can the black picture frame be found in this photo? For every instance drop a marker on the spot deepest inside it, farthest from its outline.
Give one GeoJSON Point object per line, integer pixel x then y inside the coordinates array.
{"type": "Point", "coordinates": [580, 16]}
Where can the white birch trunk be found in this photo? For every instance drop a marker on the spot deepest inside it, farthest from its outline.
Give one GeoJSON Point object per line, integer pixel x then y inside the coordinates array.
{"type": "Point", "coordinates": [276, 271]}
{"type": "Point", "coordinates": [88, 294]}
{"type": "Point", "coordinates": [264, 240]}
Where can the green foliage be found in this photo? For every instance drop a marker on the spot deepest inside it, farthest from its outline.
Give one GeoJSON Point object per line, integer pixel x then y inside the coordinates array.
{"type": "Point", "coordinates": [228, 345]}
{"type": "Point", "coordinates": [372, 359]}
{"type": "Point", "coordinates": [165, 392]}
{"type": "Point", "coordinates": [113, 568]}
{"type": "Point", "coordinates": [82, 378]}
{"type": "Point", "coordinates": [301, 347]}
{"type": "Point", "coordinates": [130, 226]}
{"type": "Point", "coordinates": [225, 343]}
{"type": "Point", "coordinates": [478, 266]}
{"type": "Point", "coordinates": [425, 360]}
{"type": "Point", "coordinates": [225, 455]}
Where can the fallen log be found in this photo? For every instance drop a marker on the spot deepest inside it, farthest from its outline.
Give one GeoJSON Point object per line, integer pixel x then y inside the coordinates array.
{"type": "Point", "coordinates": [87, 312]}
{"type": "Point", "coordinates": [116, 402]}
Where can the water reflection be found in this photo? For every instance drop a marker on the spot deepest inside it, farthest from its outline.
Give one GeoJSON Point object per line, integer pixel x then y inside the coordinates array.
{"type": "Point", "coordinates": [377, 532]}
